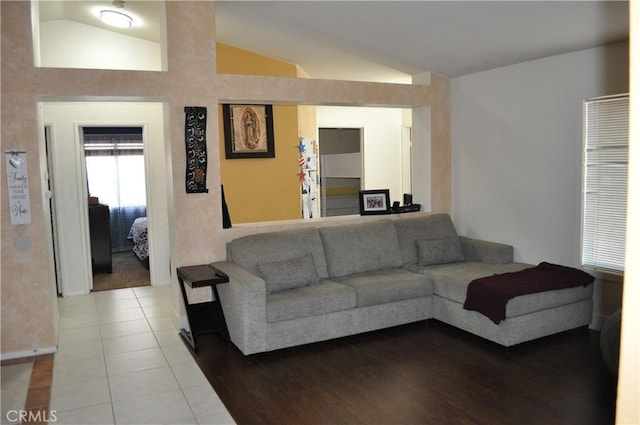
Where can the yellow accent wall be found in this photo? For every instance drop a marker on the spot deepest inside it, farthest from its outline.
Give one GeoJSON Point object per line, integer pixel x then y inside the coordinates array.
{"type": "Point", "coordinates": [231, 60]}
{"type": "Point", "coordinates": [262, 189]}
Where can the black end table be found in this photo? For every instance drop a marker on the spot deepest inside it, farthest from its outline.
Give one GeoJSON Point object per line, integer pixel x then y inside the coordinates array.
{"type": "Point", "coordinates": [206, 317]}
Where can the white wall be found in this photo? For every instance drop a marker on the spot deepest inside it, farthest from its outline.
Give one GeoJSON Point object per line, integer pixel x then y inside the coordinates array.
{"type": "Point", "coordinates": [628, 408]}
{"type": "Point", "coordinates": [517, 155]}
{"type": "Point", "coordinates": [68, 44]}
{"type": "Point", "coordinates": [382, 133]}
{"type": "Point", "coordinates": [517, 149]}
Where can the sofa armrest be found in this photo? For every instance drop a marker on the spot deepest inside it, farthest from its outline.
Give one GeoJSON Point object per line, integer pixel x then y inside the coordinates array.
{"type": "Point", "coordinates": [244, 302]}
{"type": "Point", "coordinates": [486, 251]}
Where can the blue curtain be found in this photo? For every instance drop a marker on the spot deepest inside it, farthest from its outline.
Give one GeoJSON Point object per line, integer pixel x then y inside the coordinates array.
{"type": "Point", "coordinates": [121, 220]}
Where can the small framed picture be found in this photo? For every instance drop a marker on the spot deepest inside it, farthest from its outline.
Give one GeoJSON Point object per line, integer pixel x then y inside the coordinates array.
{"type": "Point", "coordinates": [374, 202]}
{"type": "Point", "coordinates": [248, 131]}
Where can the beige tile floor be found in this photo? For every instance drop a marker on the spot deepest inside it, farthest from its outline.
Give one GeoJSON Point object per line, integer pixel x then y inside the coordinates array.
{"type": "Point", "coordinates": [120, 360]}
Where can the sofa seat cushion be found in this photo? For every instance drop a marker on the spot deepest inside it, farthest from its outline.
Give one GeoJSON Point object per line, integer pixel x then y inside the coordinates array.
{"type": "Point", "coordinates": [359, 248]}
{"type": "Point", "coordinates": [313, 300]}
{"type": "Point", "coordinates": [451, 280]}
{"type": "Point", "coordinates": [389, 285]}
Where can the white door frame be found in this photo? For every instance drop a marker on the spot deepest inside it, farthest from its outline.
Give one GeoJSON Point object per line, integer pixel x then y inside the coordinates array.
{"type": "Point", "coordinates": [48, 202]}
{"type": "Point", "coordinates": [406, 159]}
{"type": "Point", "coordinates": [74, 263]}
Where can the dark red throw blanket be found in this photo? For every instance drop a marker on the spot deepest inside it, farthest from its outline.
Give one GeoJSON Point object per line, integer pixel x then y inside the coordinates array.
{"type": "Point", "coordinates": [489, 295]}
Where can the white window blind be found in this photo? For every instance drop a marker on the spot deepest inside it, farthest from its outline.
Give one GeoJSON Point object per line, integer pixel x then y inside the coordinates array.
{"type": "Point", "coordinates": [606, 148]}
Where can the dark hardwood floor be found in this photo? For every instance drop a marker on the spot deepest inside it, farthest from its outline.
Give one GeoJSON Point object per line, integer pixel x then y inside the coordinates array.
{"type": "Point", "coordinates": [423, 373]}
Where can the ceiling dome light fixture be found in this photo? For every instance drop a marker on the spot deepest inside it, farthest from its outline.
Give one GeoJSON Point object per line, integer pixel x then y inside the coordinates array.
{"type": "Point", "coordinates": [116, 19]}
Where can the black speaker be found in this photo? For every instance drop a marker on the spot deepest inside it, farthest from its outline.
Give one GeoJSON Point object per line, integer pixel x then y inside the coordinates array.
{"type": "Point", "coordinates": [407, 198]}
{"type": "Point", "coordinates": [226, 219]}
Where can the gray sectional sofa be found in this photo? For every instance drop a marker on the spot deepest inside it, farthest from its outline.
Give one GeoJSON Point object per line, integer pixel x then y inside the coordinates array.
{"type": "Point", "coordinates": [299, 286]}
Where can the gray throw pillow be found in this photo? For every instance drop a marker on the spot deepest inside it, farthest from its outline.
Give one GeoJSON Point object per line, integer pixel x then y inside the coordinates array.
{"type": "Point", "coordinates": [439, 251]}
{"type": "Point", "coordinates": [288, 274]}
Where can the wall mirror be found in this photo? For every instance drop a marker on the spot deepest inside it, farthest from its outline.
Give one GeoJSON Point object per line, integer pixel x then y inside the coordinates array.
{"type": "Point", "coordinates": [272, 189]}
{"type": "Point", "coordinates": [353, 148]}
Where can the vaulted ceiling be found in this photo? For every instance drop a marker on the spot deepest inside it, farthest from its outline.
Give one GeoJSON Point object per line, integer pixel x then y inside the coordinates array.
{"type": "Point", "coordinates": [392, 40]}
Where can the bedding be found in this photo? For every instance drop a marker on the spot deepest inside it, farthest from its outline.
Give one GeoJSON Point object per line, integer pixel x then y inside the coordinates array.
{"type": "Point", "coordinates": [138, 234]}
{"type": "Point", "coordinates": [490, 295]}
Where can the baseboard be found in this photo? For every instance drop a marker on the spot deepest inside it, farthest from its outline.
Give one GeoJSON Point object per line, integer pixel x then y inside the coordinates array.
{"type": "Point", "coordinates": [28, 353]}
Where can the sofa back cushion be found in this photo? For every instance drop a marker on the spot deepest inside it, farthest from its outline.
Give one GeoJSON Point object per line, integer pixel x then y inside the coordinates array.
{"type": "Point", "coordinates": [289, 274]}
{"type": "Point", "coordinates": [249, 251]}
{"type": "Point", "coordinates": [424, 227]}
{"type": "Point", "coordinates": [439, 251]}
{"type": "Point", "coordinates": [363, 247]}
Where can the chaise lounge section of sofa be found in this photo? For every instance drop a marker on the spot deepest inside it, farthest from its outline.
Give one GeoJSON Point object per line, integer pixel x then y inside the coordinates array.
{"type": "Point", "coordinates": [299, 286]}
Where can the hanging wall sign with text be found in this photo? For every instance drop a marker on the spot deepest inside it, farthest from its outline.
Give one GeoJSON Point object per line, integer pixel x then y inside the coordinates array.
{"type": "Point", "coordinates": [196, 144]}
{"type": "Point", "coordinates": [18, 187]}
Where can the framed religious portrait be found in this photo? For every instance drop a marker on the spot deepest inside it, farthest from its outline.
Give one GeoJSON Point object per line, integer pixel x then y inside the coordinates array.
{"type": "Point", "coordinates": [248, 131]}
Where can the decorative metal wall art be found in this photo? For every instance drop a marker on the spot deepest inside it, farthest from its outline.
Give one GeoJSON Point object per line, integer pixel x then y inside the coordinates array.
{"type": "Point", "coordinates": [308, 163]}
{"type": "Point", "coordinates": [196, 144]}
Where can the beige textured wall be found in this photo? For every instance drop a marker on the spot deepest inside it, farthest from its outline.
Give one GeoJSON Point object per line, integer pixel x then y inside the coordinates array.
{"type": "Point", "coordinates": [29, 316]}
{"type": "Point", "coordinates": [27, 307]}
{"type": "Point", "coordinates": [441, 144]}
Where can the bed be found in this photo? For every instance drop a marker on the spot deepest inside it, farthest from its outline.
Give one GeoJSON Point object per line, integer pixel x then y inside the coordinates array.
{"type": "Point", "coordinates": [138, 235]}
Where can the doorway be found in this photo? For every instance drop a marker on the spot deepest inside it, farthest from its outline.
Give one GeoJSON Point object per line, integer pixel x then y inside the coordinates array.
{"type": "Point", "coordinates": [117, 201]}
{"type": "Point", "coordinates": [340, 170]}
{"type": "Point", "coordinates": [67, 121]}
